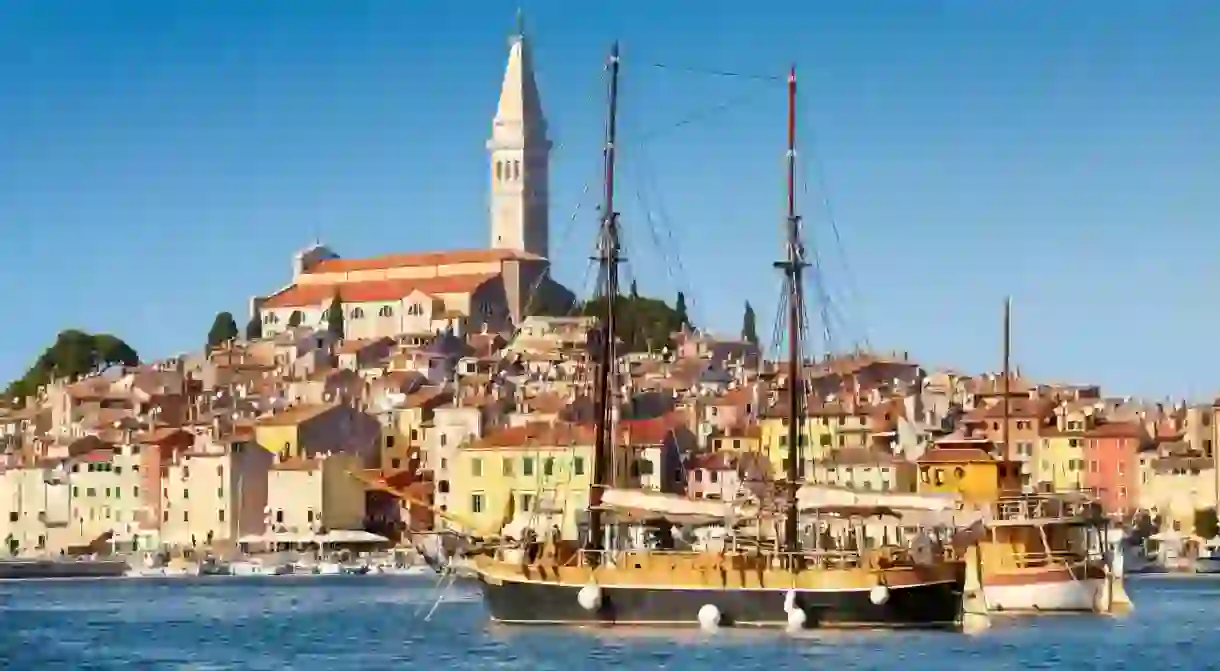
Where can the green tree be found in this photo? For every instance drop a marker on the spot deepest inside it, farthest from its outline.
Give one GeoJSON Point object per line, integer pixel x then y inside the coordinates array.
{"type": "Point", "coordinates": [641, 322]}
{"type": "Point", "coordinates": [749, 327]}
{"type": "Point", "coordinates": [224, 329]}
{"type": "Point", "coordinates": [680, 308]}
{"type": "Point", "coordinates": [1206, 523]}
{"type": "Point", "coordinates": [295, 319]}
{"type": "Point", "coordinates": [73, 354]}
{"type": "Point", "coordinates": [334, 317]}
{"type": "Point", "coordinates": [254, 327]}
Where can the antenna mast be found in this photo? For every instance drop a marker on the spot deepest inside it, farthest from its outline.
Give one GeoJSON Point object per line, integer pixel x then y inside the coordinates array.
{"type": "Point", "coordinates": [603, 335]}
{"type": "Point", "coordinates": [793, 267]}
{"type": "Point", "coordinates": [1007, 375]}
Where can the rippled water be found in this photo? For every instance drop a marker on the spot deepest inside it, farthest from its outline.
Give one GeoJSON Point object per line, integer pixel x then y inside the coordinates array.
{"type": "Point", "coordinates": [365, 622]}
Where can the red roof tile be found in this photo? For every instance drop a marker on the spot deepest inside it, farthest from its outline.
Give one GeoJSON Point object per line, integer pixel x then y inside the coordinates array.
{"type": "Point", "coordinates": [300, 295]}
{"type": "Point", "coordinates": [421, 259]}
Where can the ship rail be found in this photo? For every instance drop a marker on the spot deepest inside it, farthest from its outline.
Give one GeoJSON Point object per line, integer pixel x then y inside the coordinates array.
{"type": "Point", "coordinates": [872, 558]}
{"type": "Point", "coordinates": [1034, 560]}
{"type": "Point", "coordinates": [1041, 507]}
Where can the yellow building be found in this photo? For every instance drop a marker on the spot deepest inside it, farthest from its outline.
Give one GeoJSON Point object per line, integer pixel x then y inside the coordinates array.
{"type": "Point", "coordinates": [826, 429]}
{"type": "Point", "coordinates": [965, 466]}
{"type": "Point", "coordinates": [403, 428]}
{"type": "Point", "coordinates": [536, 475]}
{"type": "Point", "coordinates": [1060, 460]}
{"type": "Point", "coordinates": [307, 430]}
{"type": "Point", "coordinates": [738, 440]}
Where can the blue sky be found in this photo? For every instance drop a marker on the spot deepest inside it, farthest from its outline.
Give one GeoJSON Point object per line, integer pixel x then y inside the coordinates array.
{"type": "Point", "coordinates": [161, 161]}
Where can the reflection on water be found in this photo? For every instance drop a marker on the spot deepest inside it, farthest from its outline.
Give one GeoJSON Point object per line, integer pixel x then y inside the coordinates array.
{"type": "Point", "coordinates": [376, 622]}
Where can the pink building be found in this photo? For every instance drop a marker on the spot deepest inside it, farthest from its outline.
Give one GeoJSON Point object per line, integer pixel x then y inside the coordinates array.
{"type": "Point", "coordinates": [721, 475]}
{"type": "Point", "coordinates": [1112, 456]}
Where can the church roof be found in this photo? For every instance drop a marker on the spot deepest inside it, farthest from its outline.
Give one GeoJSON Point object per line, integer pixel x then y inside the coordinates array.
{"type": "Point", "coordinates": [422, 259]}
{"type": "Point", "coordinates": [301, 295]}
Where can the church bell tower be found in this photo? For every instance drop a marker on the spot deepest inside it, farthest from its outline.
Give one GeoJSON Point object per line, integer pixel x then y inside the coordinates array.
{"type": "Point", "coordinates": [519, 153]}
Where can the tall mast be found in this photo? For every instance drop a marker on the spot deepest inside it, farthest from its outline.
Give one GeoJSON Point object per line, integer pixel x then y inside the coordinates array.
{"type": "Point", "coordinates": [793, 267]}
{"type": "Point", "coordinates": [608, 259]}
{"type": "Point", "coordinates": [1007, 376]}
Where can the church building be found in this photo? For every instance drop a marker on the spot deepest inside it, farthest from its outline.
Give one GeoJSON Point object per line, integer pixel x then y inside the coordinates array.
{"type": "Point", "coordinates": [421, 293]}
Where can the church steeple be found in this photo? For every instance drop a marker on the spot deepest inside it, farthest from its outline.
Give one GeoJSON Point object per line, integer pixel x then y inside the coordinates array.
{"type": "Point", "coordinates": [519, 151]}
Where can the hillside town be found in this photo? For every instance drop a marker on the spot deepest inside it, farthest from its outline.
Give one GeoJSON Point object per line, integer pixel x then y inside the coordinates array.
{"type": "Point", "coordinates": [440, 376]}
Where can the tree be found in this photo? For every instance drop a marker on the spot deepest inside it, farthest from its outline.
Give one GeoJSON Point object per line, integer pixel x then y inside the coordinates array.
{"type": "Point", "coordinates": [749, 327]}
{"type": "Point", "coordinates": [680, 309]}
{"type": "Point", "coordinates": [295, 319]}
{"type": "Point", "coordinates": [73, 354]}
{"type": "Point", "coordinates": [641, 323]}
{"type": "Point", "coordinates": [635, 291]}
{"type": "Point", "coordinates": [254, 327]}
{"type": "Point", "coordinates": [1206, 523]}
{"type": "Point", "coordinates": [224, 329]}
{"type": "Point", "coordinates": [334, 317]}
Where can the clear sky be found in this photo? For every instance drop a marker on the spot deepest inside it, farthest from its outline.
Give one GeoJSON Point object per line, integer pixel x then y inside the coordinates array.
{"type": "Point", "coordinates": [162, 160]}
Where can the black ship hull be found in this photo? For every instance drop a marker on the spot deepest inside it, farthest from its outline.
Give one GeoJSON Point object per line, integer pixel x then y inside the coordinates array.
{"type": "Point", "coordinates": [931, 605]}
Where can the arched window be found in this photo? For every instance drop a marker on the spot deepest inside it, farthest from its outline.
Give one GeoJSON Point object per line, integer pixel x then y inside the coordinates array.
{"type": "Point", "coordinates": [516, 169]}
{"type": "Point", "coordinates": [385, 311]}
{"type": "Point", "coordinates": [357, 313]}
{"type": "Point", "coordinates": [499, 171]}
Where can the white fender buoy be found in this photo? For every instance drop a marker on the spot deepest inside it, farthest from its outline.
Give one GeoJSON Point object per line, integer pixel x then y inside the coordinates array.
{"type": "Point", "coordinates": [589, 597]}
{"type": "Point", "coordinates": [796, 619]}
{"type": "Point", "coordinates": [879, 594]}
{"type": "Point", "coordinates": [709, 617]}
{"type": "Point", "coordinates": [790, 601]}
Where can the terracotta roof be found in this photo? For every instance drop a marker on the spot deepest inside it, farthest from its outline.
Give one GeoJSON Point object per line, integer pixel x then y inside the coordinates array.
{"type": "Point", "coordinates": [1117, 430]}
{"type": "Point", "coordinates": [955, 455]}
{"type": "Point", "coordinates": [302, 295]}
{"type": "Point", "coordinates": [295, 415]}
{"type": "Point", "coordinates": [537, 434]}
{"type": "Point", "coordinates": [356, 345]}
{"type": "Point", "coordinates": [421, 259]}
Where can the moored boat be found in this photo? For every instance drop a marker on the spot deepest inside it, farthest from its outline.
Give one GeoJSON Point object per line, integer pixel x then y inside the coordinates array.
{"type": "Point", "coordinates": [768, 582]}
{"type": "Point", "coordinates": [36, 569]}
{"type": "Point", "coordinates": [1045, 553]}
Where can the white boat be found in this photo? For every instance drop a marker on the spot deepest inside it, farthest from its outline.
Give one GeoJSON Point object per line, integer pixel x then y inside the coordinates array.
{"type": "Point", "coordinates": [414, 570]}
{"type": "Point", "coordinates": [1209, 557]}
{"type": "Point", "coordinates": [256, 567]}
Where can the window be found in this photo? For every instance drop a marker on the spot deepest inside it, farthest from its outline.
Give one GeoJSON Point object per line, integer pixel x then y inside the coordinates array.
{"type": "Point", "coordinates": [939, 476]}
{"type": "Point", "coordinates": [357, 313]}
{"type": "Point", "coordinates": [186, 472]}
{"type": "Point", "coordinates": [220, 471]}
{"type": "Point", "coordinates": [527, 466]}
{"type": "Point", "coordinates": [385, 311]}
{"type": "Point", "coordinates": [165, 516]}
{"type": "Point", "coordinates": [309, 516]}
{"type": "Point", "coordinates": [476, 503]}
{"type": "Point", "coordinates": [395, 463]}
{"type": "Point", "coordinates": [75, 492]}
{"type": "Point", "coordinates": [507, 465]}
{"type": "Point", "coordinates": [443, 439]}
{"type": "Point", "coordinates": [713, 476]}
{"type": "Point", "coordinates": [578, 465]}
{"type": "Point", "coordinates": [548, 466]}
{"type": "Point", "coordinates": [499, 171]}
{"type": "Point", "coordinates": [527, 502]}
{"type": "Point", "coordinates": [389, 442]}
{"type": "Point", "coordinates": [12, 516]}
{"type": "Point", "coordinates": [960, 473]}
{"type": "Point", "coordinates": [476, 467]}
{"type": "Point", "coordinates": [220, 515]}
{"type": "Point", "coordinates": [279, 517]}
{"type": "Point", "coordinates": [106, 492]}
{"type": "Point", "coordinates": [1122, 492]}
{"type": "Point", "coordinates": [90, 492]}
{"type": "Point", "coordinates": [220, 492]}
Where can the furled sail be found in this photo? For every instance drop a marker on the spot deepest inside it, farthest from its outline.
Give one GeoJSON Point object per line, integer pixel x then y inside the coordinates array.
{"type": "Point", "coordinates": [811, 497]}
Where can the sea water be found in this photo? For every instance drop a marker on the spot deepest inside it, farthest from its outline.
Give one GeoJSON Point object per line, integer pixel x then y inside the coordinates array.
{"type": "Point", "coordinates": [373, 622]}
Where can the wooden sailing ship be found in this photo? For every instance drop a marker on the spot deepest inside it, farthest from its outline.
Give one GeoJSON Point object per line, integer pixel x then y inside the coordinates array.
{"type": "Point", "coordinates": [553, 580]}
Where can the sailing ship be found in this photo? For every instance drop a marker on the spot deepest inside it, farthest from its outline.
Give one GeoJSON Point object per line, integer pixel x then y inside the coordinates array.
{"type": "Point", "coordinates": [1051, 552]}
{"type": "Point", "coordinates": [750, 580]}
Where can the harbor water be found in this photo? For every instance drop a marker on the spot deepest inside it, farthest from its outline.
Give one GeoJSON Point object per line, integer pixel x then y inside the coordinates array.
{"type": "Point", "coordinates": [375, 622]}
